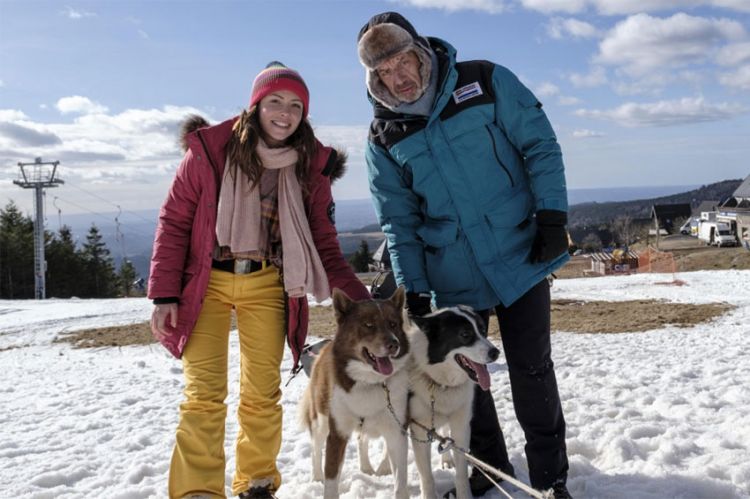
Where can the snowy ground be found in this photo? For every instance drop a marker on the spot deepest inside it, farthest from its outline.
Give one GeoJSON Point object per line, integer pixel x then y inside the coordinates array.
{"type": "Point", "coordinates": [659, 414]}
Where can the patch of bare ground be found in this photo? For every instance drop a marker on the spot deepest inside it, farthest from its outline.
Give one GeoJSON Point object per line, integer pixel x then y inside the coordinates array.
{"type": "Point", "coordinates": [630, 316]}
{"type": "Point", "coordinates": [567, 315]}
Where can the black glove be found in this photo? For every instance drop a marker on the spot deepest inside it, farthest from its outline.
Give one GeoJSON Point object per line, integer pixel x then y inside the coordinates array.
{"type": "Point", "coordinates": [551, 238]}
{"type": "Point", "coordinates": [418, 304]}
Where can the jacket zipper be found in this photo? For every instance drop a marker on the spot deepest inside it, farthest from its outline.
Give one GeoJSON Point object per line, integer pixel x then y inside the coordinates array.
{"type": "Point", "coordinates": [497, 156]}
{"type": "Point", "coordinates": [210, 162]}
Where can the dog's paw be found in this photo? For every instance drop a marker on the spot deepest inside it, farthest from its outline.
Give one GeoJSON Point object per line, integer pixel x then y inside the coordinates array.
{"type": "Point", "coordinates": [446, 461]}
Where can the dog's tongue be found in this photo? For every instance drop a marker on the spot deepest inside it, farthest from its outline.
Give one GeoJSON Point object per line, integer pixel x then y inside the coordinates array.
{"type": "Point", "coordinates": [483, 376]}
{"type": "Point", "coordinates": [383, 365]}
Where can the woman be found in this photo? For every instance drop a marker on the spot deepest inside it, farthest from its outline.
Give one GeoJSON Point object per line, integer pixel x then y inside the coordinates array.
{"type": "Point", "coordinates": [247, 225]}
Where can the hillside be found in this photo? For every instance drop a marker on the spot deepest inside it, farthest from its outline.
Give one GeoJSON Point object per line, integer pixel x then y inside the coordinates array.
{"type": "Point", "coordinates": [589, 214]}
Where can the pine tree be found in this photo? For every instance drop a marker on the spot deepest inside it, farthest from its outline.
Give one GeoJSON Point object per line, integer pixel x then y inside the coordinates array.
{"type": "Point", "coordinates": [127, 276]}
{"type": "Point", "coordinates": [361, 260]}
{"type": "Point", "coordinates": [100, 277]}
{"type": "Point", "coordinates": [16, 253]}
{"type": "Point", "coordinates": [64, 266]}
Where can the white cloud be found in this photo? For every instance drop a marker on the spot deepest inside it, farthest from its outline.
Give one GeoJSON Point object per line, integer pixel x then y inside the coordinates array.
{"type": "Point", "coordinates": [738, 79]}
{"type": "Point", "coordinates": [568, 101]}
{"type": "Point", "coordinates": [559, 28]}
{"type": "Point", "coordinates": [143, 34]}
{"type": "Point", "coordinates": [546, 89]}
{"type": "Point", "coordinates": [72, 13]}
{"type": "Point", "coordinates": [584, 133]}
{"type": "Point", "coordinates": [666, 113]}
{"type": "Point", "coordinates": [596, 77]}
{"type": "Point", "coordinates": [624, 7]}
{"type": "Point", "coordinates": [549, 6]}
{"type": "Point", "coordinates": [490, 6]}
{"type": "Point", "coordinates": [734, 54]}
{"type": "Point", "coordinates": [642, 44]}
{"type": "Point", "coordinates": [12, 115]}
{"type": "Point", "coordinates": [133, 135]}
{"type": "Point", "coordinates": [741, 5]}
{"type": "Point", "coordinates": [2, 84]}
{"type": "Point", "coordinates": [79, 105]}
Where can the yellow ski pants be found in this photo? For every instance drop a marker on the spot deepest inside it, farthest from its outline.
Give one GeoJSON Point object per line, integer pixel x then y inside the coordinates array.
{"type": "Point", "coordinates": [197, 465]}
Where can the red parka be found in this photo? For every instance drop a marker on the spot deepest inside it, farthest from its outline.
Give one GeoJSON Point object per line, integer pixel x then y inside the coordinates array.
{"type": "Point", "coordinates": [186, 235]}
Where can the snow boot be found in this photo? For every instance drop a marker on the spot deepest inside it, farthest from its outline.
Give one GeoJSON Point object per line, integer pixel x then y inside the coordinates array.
{"type": "Point", "coordinates": [259, 492]}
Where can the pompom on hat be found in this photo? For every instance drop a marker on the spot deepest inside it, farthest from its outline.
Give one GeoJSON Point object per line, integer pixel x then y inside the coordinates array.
{"type": "Point", "coordinates": [277, 77]}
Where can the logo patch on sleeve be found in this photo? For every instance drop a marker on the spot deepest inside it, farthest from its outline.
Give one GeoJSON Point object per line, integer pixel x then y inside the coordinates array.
{"type": "Point", "coordinates": [467, 92]}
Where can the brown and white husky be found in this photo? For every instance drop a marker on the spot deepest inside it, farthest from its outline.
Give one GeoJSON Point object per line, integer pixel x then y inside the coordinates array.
{"type": "Point", "coordinates": [359, 382]}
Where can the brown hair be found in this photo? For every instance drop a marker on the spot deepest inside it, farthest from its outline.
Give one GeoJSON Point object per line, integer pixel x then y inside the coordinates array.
{"type": "Point", "coordinates": [242, 154]}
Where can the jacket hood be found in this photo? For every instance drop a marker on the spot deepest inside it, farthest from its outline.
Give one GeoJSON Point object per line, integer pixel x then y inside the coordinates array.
{"type": "Point", "coordinates": [446, 58]}
{"type": "Point", "coordinates": [383, 37]}
{"type": "Point", "coordinates": [336, 166]}
{"type": "Point", "coordinates": [192, 123]}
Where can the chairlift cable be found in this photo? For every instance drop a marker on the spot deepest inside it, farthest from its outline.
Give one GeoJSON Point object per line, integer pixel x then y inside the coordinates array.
{"type": "Point", "coordinates": [98, 214]}
{"type": "Point", "coordinates": [59, 214]}
{"type": "Point", "coordinates": [68, 183]}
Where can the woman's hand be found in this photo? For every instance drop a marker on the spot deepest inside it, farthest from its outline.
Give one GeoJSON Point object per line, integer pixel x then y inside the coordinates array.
{"type": "Point", "coordinates": [159, 319]}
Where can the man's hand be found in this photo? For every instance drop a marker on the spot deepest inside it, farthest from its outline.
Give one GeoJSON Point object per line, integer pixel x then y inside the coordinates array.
{"type": "Point", "coordinates": [551, 238]}
{"type": "Point", "coordinates": [418, 304]}
{"type": "Point", "coordinates": [159, 319]}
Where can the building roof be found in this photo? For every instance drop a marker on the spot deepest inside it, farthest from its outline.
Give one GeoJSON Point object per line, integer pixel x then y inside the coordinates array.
{"type": "Point", "coordinates": [743, 191]}
{"type": "Point", "coordinates": [706, 206]}
{"type": "Point", "coordinates": [603, 256]}
{"type": "Point", "coordinates": [670, 211]}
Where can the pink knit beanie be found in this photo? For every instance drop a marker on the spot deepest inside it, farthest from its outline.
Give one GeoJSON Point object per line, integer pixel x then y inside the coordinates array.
{"type": "Point", "coordinates": [276, 77]}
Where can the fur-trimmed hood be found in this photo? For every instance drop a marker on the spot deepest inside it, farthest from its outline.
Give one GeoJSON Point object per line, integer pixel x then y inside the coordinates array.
{"type": "Point", "coordinates": [192, 123]}
{"type": "Point", "coordinates": [384, 36]}
{"type": "Point", "coordinates": [335, 168]}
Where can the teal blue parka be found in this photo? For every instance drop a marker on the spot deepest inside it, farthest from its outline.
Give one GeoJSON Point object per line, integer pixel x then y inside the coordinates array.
{"type": "Point", "coordinates": [456, 192]}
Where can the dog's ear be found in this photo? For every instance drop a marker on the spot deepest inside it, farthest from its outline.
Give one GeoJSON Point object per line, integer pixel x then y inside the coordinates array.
{"type": "Point", "coordinates": [398, 298]}
{"type": "Point", "coordinates": [342, 304]}
{"type": "Point", "coordinates": [422, 323]}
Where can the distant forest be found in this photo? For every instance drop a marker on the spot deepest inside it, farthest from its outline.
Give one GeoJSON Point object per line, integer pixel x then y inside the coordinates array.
{"type": "Point", "coordinates": [593, 226]}
{"type": "Point", "coordinates": [87, 271]}
{"type": "Point", "coordinates": [605, 213]}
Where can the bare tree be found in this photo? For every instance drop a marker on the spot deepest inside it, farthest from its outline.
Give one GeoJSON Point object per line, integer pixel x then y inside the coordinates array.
{"type": "Point", "coordinates": [592, 242]}
{"type": "Point", "coordinates": [623, 229]}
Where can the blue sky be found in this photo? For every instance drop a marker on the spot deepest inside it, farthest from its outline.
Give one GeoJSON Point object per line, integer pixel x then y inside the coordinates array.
{"type": "Point", "coordinates": [648, 92]}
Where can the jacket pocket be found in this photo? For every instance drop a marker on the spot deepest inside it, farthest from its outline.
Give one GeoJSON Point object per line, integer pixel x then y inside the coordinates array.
{"type": "Point", "coordinates": [446, 254]}
{"type": "Point", "coordinates": [513, 225]}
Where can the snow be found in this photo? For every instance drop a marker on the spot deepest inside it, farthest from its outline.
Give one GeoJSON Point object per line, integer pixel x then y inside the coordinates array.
{"type": "Point", "coordinates": [656, 414]}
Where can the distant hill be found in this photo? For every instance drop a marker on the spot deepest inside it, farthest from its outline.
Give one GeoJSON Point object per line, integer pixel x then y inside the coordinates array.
{"type": "Point", "coordinates": [588, 214]}
{"type": "Point", "coordinates": [132, 234]}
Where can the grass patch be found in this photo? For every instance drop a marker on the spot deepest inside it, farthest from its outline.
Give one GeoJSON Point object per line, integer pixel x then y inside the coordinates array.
{"type": "Point", "coordinates": [567, 315]}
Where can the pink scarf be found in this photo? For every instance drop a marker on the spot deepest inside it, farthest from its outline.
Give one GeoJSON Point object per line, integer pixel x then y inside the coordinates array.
{"type": "Point", "coordinates": [238, 222]}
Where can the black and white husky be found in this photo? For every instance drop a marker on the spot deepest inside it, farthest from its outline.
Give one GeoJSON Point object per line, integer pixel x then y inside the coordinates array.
{"type": "Point", "coordinates": [450, 354]}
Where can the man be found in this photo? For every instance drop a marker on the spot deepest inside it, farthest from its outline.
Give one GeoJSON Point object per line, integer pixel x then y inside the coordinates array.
{"type": "Point", "coordinates": [468, 183]}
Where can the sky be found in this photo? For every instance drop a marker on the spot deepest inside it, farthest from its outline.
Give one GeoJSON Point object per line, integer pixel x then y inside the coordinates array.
{"type": "Point", "coordinates": [653, 92]}
{"type": "Point", "coordinates": [650, 415]}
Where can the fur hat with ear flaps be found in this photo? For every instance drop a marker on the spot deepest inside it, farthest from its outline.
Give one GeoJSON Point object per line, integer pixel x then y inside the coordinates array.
{"type": "Point", "coordinates": [384, 36]}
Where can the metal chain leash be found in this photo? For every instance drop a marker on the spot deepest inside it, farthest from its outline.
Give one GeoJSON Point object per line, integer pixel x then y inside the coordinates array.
{"type": "Point", "coordinates": [446, 443]}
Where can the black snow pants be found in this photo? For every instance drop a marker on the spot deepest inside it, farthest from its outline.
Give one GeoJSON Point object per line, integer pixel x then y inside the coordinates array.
{"type": "Point", "coordinates": [525, 331]}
